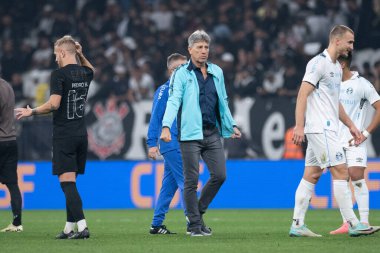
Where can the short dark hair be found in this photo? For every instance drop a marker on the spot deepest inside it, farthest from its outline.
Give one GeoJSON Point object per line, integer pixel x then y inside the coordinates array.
{"type": "Point", "coordinates": [347, 59]}
{"type": "Point", "coordinates": [339, 31]}
{"type": "Point", "coordinates": [174, 57]}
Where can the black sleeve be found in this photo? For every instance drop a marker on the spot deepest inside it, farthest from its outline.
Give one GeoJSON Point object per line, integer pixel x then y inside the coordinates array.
{"type": "Point", "coordinates": [56, 83]}
{"type": "Point", "coordinates": [89, 73]}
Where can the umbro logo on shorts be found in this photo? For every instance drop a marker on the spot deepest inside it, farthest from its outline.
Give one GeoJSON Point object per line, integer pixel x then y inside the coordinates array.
{"type": "Point", "coordinates": [359, 159]}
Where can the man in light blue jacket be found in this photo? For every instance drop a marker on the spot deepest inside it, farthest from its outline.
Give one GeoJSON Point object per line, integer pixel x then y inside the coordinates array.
{"type": "Point", "coordinates": [199, 101]}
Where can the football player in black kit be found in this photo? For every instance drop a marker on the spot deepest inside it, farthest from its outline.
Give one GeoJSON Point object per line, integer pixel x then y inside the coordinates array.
{"type": "Point", "coordinates": [69, 85]}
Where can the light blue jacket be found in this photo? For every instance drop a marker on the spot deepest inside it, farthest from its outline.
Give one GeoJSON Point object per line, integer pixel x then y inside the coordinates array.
{"type": "Point", "coordinates": [184, 96]}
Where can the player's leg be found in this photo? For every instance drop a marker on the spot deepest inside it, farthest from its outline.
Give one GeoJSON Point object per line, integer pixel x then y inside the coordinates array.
{"type": "Point", "coordinates": [176, 169]}
{"type": "Point", "coordinates": [303, 196]}
{"type": "Point", "coordinates": [8, 175]}
{"type": "Point", "coordinates": [167, 191]}
{"type": "Point", "coordinates": [356, 160]}
{"type": "Point", "coordinates": [360, 191]}
{"type": "Point", "coordinates": [191, 151]}
{"type": "Point", "coordinates": [67, 163]}
{"type": "Point", "coordinates": [305, 190]}
{"type": "Point", "coordinates": [213, 156]}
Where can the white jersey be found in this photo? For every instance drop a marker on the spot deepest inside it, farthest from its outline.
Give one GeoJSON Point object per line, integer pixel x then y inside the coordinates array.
{"type": "Point", "coordinates": [356, 94]}
{"type": "Point", "coordinates": [322, 111]}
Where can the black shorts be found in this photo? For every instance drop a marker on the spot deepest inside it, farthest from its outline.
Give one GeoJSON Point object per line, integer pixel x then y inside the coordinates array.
{"type": "Point", "coordinates": [8, 162]}
{"type": "Point", "coordinates": [69, 155]}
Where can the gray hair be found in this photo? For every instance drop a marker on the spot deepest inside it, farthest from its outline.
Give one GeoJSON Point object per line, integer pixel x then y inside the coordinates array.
{"type": "Point", "coordinates": [198, 36]}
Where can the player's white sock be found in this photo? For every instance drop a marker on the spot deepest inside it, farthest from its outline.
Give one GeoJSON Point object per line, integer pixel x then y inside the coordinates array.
{"type": "Point", "coordinates": [362, 198]}
{"type": "Point", "coordinates": [303, 195]}
{"type": "Point", "coordinates": [343, 198]}
{"type": "Point", "coordinates": [81, 225]}
{"type": "Point", "coordinates": [69, 226]}
{"type": "Point", "coordinates": [349, 190]}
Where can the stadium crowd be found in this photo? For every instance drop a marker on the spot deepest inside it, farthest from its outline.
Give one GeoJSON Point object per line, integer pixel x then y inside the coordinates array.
{"type": "Point", "coordinates": [262, 45]}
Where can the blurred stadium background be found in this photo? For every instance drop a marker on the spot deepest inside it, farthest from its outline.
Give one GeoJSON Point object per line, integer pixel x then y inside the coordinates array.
{"type": "Point", "coordinates": [262, 46]}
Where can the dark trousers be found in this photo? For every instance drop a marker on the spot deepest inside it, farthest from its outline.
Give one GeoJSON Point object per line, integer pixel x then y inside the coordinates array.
{"type": "Point", "coordinates": [211, 150]}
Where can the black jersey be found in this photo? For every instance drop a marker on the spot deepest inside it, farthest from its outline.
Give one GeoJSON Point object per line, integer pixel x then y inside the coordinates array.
{"type": "Point", "coordinates": [71, 82]}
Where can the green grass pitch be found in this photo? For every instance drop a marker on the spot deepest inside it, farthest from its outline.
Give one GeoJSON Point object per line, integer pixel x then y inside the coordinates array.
{"type": "Point", "coordinates": [234, 231]}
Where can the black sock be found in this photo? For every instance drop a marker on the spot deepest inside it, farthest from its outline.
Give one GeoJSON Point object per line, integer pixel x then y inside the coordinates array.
{"type": "Point", "coordinates": [16, 203]}
{"type": "Point", "coordinates": [74, 206]}
{"type": "Point", "coordinates": [69, 215]}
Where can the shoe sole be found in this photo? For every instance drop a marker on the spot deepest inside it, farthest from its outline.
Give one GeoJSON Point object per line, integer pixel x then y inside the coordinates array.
{"type": "Point", "coordinates": [377, 229]}
{"type": "Point", "coordinates": [294, 235]}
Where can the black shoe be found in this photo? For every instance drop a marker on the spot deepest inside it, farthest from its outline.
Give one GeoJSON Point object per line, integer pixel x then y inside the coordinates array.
{"type": "Point", "coordinates": [154, 230]}
{"type": "Point", "coordinates": [196, 232]}
{"type": "Point", "coordinates": [63, 235]}
{"type": "Point", "coordinates": [205, 230]}
{"type": "Point", "coordinates": [85, 234]}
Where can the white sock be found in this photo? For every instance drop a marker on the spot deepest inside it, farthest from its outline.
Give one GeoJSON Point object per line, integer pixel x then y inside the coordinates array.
{"type": "Point", "coordinates": [69, 226]}
{"type": "Point", "coordinates": [303, 195]}
{"type": "Point", "coordinates": [343, 198]}
{"type": "Point", "coordinates": [362, 198]}
{"type": "Point", "coordinates": [349, 190]}
{"type": "Point", "coordinates": [81, 225]}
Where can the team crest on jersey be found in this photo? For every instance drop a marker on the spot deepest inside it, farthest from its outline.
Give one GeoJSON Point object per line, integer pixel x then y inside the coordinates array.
{"type": "Point", "coordinates": [339, 156]}
{"type": "Point", "coordinates": [331, 74]}
{"type": "Point", "coordinates": [349, 91]}
{"type": "Point", "coordinates": [106, 136]}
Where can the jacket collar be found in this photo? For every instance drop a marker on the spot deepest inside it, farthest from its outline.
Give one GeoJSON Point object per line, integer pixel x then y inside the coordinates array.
{"type": "Point", "coordinates": [191, 67]}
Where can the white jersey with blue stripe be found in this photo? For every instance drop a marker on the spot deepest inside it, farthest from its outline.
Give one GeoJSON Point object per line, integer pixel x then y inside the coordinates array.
{"type": "Point", "coordinates": [322, 111]}
{"type": "Point", "coordinates": [356, 94]}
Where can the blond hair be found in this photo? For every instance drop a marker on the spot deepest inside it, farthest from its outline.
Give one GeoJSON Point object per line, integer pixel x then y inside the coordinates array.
{"type": "Point", "coordinates": [68, 42]}
{"type": "Point", "coordinates": [339, 31]}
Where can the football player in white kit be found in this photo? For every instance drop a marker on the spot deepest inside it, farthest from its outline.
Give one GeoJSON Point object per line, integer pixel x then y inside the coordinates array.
{"type": "Point", "coordinates": [356, 95]}
{"type": "Point", "coordinates": [318, 112]}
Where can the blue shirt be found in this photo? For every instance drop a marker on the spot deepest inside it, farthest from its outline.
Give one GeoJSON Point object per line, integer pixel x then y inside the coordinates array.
{"type": "Point", "coordinates": [155, 124]}
{"type": "Point", "coordinates": [208, 97]}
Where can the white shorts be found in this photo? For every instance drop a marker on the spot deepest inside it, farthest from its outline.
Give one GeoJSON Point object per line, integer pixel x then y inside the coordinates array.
{"type": "Point", "coordinates": [356, 156]}
{"type": "Point", "coordinates": [324, 150]}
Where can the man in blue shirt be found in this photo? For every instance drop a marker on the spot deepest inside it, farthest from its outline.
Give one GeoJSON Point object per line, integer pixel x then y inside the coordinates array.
{"type": "Point", "coordinates": [173, 174]}
{"type": "Point", "coordinates": [198, 96]}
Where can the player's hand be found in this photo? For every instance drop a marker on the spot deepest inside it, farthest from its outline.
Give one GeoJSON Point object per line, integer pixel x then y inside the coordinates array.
{"type": "Point", "coordinates": [353, 143]}
{"type": "Point", "coordinates": [153, 152]}
{"type": "Point", "coordinates": [23, 112]}
{"type": "Point", "coordinates": [298, 135]}
{"type": "Point", "coordinates": [357, 136]}
{"type": "Point", "coordinates": [165, 134]}
{"type": "Point", "coordinates": [78, 47]}
{"type": "Point", "coordinates": [236, 134]}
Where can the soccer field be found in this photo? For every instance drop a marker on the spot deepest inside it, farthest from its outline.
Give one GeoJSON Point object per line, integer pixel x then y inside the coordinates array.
{"type": "Point", "coordinates": [233, 231]}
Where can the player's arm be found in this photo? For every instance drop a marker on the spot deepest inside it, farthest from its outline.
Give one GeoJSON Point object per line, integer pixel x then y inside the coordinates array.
{"type": "Point", "coordinates": [158, 110]}
{"type": "Point", "coordinates": [51, 105]}
{"type": "Point", "coordinates": [173, 104]}
{"type": "Point", "coordinates": [83, 60]}
{"type": "Point", "coordinates": [374, 122]}
{"type": "Point", "coordinates": [298, 133]}
{"type": "Point", "coordinates": [345, 119]}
